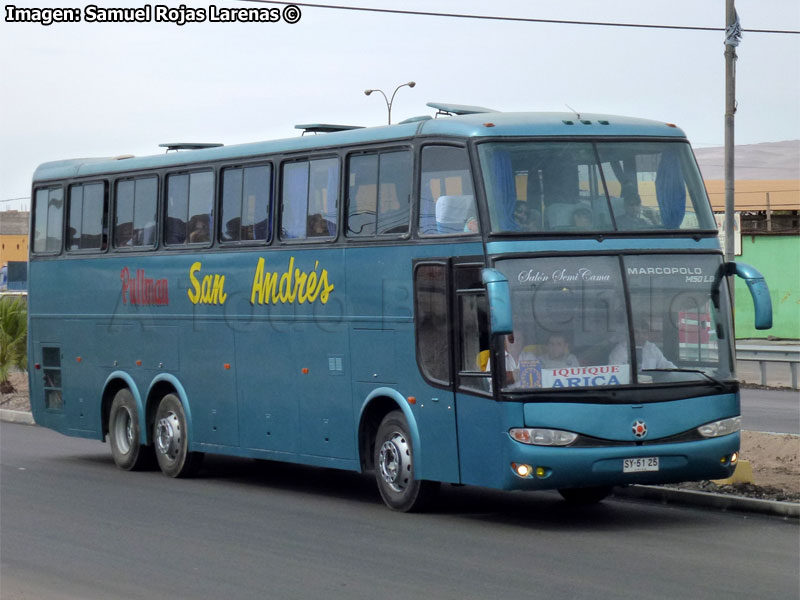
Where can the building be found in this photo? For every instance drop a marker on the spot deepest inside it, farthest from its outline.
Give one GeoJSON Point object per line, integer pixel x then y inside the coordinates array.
{"type": "Point", "coordinates": [767, 200]}
{"type": "Point", "coordinates": [13, 236]}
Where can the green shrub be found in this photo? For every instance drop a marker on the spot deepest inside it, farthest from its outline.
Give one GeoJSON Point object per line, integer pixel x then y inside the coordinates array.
{"type": "Point", "coordinates": [13, 339]}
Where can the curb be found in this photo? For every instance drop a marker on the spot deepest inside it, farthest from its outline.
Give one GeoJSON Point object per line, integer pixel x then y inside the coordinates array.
{"type": "Point", "coordinates": [788, 510]}
{"type": "Point", "coordinates": [16, 416]}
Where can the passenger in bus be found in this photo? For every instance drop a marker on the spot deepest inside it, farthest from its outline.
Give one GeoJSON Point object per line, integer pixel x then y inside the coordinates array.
{"type": "Point", "coordinates": [648, 354]}
{"type": "Point", "coordinates": [318, 226]}
{"type": "Point", "coordinates": [199, 230]}
{"type": "Point", "coordinates": [558, 354]}
{"type": "Point", "coordinates": [123, 234]}
{"type": "Point", "coordinates": [527, 217]}
{"type": "Point", "coordinates": [510, 363]}
{"type": "Point", "coordinates": [632, 217]}
{"type": "Point", "coordinates": [582, 219]}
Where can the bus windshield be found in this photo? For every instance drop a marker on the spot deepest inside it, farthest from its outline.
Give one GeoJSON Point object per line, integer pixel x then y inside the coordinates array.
{"type": "Point", "coordinates": [574, 327]}
{"type": "Point", "coordinates": [593, 186]}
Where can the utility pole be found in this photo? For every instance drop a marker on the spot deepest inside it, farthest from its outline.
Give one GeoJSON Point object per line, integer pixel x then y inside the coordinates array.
{"type": "Point", "coordinates": [733, 34]}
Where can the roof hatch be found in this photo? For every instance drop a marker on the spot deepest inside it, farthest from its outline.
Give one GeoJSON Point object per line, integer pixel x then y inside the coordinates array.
{"type": "Point", "coordinates": [445, 108]}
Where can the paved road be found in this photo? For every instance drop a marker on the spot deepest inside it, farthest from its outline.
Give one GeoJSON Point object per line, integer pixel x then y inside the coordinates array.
{"type": "Point", "coordinates": [76, 527]}
{"type": "Point", "coordinates": [769, 410]}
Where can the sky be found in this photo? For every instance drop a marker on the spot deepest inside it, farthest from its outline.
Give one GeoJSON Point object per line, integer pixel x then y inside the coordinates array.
{"type": "Point", "coordinates": [73, 90]}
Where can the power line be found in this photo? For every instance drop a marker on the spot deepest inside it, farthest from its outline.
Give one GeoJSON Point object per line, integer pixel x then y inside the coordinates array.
{"type": "Point", "coordinates": [511, 19]}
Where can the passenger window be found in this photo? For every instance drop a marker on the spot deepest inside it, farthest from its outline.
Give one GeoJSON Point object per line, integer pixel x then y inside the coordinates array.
{"type": "Point", "coordinates": [379, 193]}
{"type": "Point", "coordinates": [48, 213]}
{"type": "Point", "coordinates": [246, 200]}
{"type": "Point", "coordinates": [190, 201]}
{"type": "Point", "coordinates": [88, 216]}
{"type": "Point", "coordinates": [135, 213]}
{"type": "Point", "coordinates": [475, 360]}
{"type": "Point", "coordinates": [447, 199]}
{"type": "Point", "coordinates": [432, 322]}
{"type": "Point", "coordinates": [310, 199]}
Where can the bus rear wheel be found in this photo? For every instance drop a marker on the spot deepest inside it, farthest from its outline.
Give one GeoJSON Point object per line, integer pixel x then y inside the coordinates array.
{"type": "Point", "coordinates": [584, 496]}
{"type": "Point", "coordinates": [124, 433]}
{"type": "Point", "coordinates": [394, 467]}
{"type": "Point", "coordinates": [171, 440]}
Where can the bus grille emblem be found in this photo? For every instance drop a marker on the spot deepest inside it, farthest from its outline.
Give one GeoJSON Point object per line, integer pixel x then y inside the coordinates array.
{"type": "Point", "coordinates": [639, 429]}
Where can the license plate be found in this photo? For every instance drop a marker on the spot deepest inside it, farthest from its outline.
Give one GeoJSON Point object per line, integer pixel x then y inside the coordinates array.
{"type": "Point", "coordinates": [635, 465]}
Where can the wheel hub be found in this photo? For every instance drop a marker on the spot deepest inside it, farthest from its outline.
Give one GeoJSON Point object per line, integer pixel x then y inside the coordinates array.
{"type": "Point", "coordinates": [123, 430]}
{"type": "Point", "coordinates": [168, 436]}
{"type": "Point", "coordinates": [395, 462]}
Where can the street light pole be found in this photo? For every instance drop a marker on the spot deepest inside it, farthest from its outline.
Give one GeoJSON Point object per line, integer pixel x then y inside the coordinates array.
{"type": "Point", "coordinates": [389, 102]}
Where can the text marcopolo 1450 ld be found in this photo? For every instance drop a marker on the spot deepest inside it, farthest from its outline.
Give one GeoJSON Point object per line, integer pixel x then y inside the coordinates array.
{"type": "Point", "coordinates": [158, 13]}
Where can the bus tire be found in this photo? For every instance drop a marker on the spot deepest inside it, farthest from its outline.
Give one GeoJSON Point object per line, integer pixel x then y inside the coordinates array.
{"type": "Point", "coordinates": [124, 433]}
{"type": "Point", "coordinates": [171, 440]}
{"type": "Point", "coordinates": [394, 467]}
{"type": "Point", "coordinates": [584, 496]}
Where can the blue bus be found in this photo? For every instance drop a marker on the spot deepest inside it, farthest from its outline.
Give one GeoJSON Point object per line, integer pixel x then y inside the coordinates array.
{"type": "Point", "coordinates": [521, 301]}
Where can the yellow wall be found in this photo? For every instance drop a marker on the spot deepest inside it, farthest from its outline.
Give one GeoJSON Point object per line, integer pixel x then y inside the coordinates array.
{"type": "Point", "coordinates": [784, 194]}
{"type": "Point", "coordinates": [13, 248]}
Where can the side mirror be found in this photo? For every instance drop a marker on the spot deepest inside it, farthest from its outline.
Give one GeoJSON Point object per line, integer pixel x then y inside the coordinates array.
{"type": "Point", "coordinates": [499, 297]}
{"type": "Point", "coordinates": [757, 286]}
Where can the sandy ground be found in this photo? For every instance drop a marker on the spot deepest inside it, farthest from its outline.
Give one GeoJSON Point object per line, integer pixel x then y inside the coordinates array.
{"type": "Point", "coordinates": [774, 457]}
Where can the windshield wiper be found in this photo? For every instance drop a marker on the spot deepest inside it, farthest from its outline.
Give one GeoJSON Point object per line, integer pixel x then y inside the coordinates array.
{"type": "Point", "coordinates": [713, 380]}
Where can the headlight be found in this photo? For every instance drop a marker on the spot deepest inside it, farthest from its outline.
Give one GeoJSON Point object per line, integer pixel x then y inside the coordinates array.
{"type": "Point", "coordinates": [543, 437]}
{"type": "Point", "coordinates": [723, 427]}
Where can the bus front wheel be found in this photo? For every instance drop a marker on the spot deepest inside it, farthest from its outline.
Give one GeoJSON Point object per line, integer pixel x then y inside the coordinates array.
{"type": "Point", "coordinates": [124, 434]}
{"type": "Point", "coordinates": [171, 440]}
{"type": "Point", "coordinates": [394, 467]}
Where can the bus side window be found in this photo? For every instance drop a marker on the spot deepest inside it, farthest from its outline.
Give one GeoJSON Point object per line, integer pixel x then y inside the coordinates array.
{"type": "Point", "coordinates": [473, 326]}
{"type": "Point", "coordinates": [47, 220]}
{"type": "Point", "coordinates": [310, 199]}
{"type": "Point", "coordinates": [447, 200]}
{"type": "Point", "coordinates": [432, 322]}
{"type": "Point", "coordinates": [135, 213]}
{"type": "Point", "coordinates": [190, 201]}
{"type": "Point", "coordinates": [475, 345]}
{"type": "Point", "coordinates": [88, 217]}
{"type": "Point", "coordinates": [379, 194]}
{"type": "Point", "coordinates": [246, 204]}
